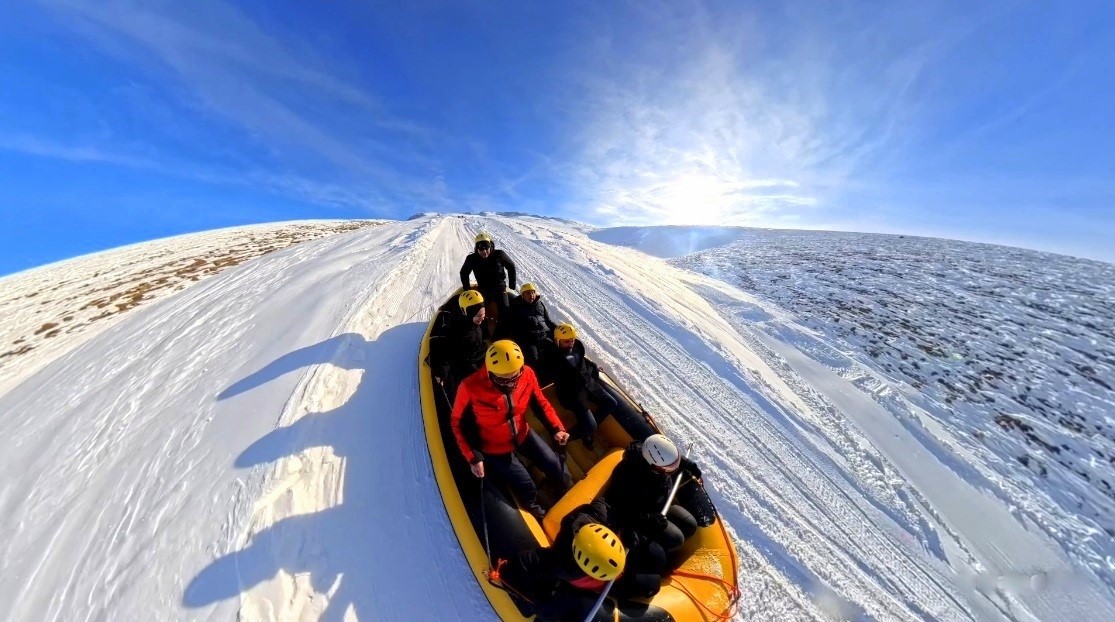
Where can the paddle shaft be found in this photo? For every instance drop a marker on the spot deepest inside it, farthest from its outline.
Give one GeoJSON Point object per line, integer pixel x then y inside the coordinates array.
{"type": "Point", "coordinates": [599, 601]}
{"type": "Point", "coordinates": [677, 484]}
{"type": "Point", "coordinates": [673, 493]}
{"type": "Point", "coordinates": [484, 521]}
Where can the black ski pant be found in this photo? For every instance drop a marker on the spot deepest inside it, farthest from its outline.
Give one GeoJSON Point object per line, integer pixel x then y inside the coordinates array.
{"type": "Point", "coordinates": [623, 411]}
{"type": "Point", "coordinates": [508, 469]}
{"type": "Point", "coordinates": [532, 354]}
{"type": "Point", "coordinates": [605, 403]}
{"type": "Point", "coordinates": [496, 301]}
{"type": "Point", "coordinates": [642, 578]}
{"type": "Point", "coordinates": [456, 375]}
{"type": "Point", "coordinates": [627, 416]}
{"type": "Point", "coordinates": [680, 525]}
{"type": "Point", "coordinates": [608, 402]}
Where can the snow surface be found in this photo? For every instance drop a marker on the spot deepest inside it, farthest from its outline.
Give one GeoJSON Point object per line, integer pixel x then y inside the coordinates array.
{"type": "Point", "coordinates": [252, 448]}
{"type": "Point", "coordinates": [50, 310]}
{"type": "Point", "coordinates": [1000, 357]}
{"type": "Point", "coordinates": [669, 241]}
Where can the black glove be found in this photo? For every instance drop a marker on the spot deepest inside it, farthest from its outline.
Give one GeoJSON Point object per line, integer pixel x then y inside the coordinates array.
{"type": "Point", "coordinates": [631, 539]}
{"type": "Point", "coordinates": [693, 470]}
{"type": "Point", "coordinates": [655, 523]}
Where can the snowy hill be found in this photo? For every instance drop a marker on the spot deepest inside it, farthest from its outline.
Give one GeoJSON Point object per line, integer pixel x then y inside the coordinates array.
{"type": "Point", "coordinates": [251, 448]}
{"type": "Point", "coordinates": [52, 309]}
{"type": "Point", "coordinates": [669, 241]}
{"type": "Point", "coordinates": [1001, 357]}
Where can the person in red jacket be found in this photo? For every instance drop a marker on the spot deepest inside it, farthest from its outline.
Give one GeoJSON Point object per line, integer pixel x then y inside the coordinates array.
{"type": "Point", "coordinates": [500, 395]}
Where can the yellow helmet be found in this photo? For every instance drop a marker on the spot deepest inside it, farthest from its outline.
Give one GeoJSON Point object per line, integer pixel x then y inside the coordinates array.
{"type": "Point", "coordinates": [565, 331]}
{"type": "Point", "coordinates": [482, 237]}
{"type": "Point", "coordinates": [469, 298]}
{"type": "Point", "coordinates": [504, 357]}
{"type": "Point", "coordinates": [598, 552]}
{"type": "Point", "coordinates": [527, 287]}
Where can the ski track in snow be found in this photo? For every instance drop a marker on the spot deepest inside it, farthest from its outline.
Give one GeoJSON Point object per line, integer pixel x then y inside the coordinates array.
{"type": "Point", "coordinates": [984, 540]}
{"type": "Point", "coordinates": [993, 357]}
{"type": "Point", "coordinates": [252, 448]}
{"type": "Point", "coordinates": [781, 497]}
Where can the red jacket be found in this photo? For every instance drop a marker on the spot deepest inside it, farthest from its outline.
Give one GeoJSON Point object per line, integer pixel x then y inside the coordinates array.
{"type": "Point", "coordinates": [497, 413]}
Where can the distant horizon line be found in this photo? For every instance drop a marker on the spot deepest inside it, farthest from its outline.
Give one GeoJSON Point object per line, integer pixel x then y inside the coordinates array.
{"type": "Point", "coordinates": [517, 213]}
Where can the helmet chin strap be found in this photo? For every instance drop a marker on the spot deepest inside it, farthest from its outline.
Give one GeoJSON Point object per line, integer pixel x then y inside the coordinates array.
{"type": "Point", "coordinates": [504, 387]}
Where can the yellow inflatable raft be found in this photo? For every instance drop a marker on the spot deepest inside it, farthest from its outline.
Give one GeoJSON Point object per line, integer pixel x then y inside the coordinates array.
{"type": "Point", "coordinates": [703, 588]}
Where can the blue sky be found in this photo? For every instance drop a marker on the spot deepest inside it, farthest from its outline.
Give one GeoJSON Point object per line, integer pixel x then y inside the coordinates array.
{"type": "Point", "coordinates": [125, 121]}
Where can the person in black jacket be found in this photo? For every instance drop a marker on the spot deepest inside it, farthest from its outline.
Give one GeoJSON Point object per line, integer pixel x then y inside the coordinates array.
{"type": "Point", "coordinates": [530, 325]}
{"type": "Point", "coordinates": [641, 484]}
{"type": "Point", "coordinates": [559, 579]}
{"type": "Point", "coordinates": [489, 264]}
{"type": "Point", "coordinates": [458, 341]}
{"type": "Point", "coordinates": [578, 385]}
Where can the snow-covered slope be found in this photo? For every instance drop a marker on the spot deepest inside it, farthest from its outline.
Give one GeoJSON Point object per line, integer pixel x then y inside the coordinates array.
{"type": "Point", "coordinates": [1002, 359]}
{"type": "Point", "coordinates": [50, 310]}
{"type": "Point", "coordinates": [669, 241]}
{"type": "Point", "coordinates": [252, 448]}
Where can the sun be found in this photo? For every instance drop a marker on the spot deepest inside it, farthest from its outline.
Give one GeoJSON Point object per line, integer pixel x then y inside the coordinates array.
{"type": "Point", "coordinates": [695, 198]}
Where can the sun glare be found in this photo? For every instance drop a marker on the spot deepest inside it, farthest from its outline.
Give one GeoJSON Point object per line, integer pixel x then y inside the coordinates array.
{"type": "Point", "coordinates": [698, 199]}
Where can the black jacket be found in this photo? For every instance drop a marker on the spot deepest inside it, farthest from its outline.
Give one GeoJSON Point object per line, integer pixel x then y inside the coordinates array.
{"type": "Point", "coordinates": [637, 491]}
{"type": "Point", "coordinates": [575, 377]}
{"type": "Point", "coordinates": [457, 345]}
{"type": "Point", "coordinates": [538, 572]}
{"type": "Point", "coordinates": [489, 272]}
{"type": "Point", "coordinates": [530, 322]}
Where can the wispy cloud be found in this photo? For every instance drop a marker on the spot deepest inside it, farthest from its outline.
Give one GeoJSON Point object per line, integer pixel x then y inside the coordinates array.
{"type": "Point", "coordinates": [688, 111]}
{"type": "Point", "coordinates": [278, 93]}
{"type": "Point", "coordinates": [719, 115]}
{"type": "Point", "coordinates": [45, 148]}
{"type": "Point", "coordinates": [284, 184]}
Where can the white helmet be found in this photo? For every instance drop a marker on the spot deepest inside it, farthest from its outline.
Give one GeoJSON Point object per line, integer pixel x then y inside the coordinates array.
{"type": "Point", "coordinates": [661, 452]}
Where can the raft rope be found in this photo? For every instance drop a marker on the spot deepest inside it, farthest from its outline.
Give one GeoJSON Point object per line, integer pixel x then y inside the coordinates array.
{"type": "Point", "coordinates": [496, 581]}
{"type": "Point", "coordinates": [732, 591]}
{"type": "Point", "coordinates": [493, 571]}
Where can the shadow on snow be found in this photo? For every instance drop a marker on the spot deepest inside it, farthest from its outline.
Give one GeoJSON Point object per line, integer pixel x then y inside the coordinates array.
{"type": "Point", "coordinates": [390, 512]}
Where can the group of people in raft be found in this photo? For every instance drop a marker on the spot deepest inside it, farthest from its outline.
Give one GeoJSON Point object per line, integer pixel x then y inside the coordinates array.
{"type": "Point", "coordinates": [492, 369]}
